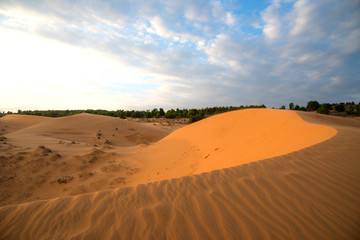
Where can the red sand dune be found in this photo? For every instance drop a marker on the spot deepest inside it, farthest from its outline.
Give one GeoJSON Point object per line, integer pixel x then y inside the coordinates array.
{"type": "Point", "coordinates": [228, 140]}
{"type": "Point", "coordinates": [249, 174]}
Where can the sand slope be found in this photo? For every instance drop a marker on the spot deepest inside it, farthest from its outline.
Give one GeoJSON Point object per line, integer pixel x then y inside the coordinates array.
{"type": "Point", "coordinates": [14, 122]}
{"type": "Point", "coordinates": [92, 129]}
{"type": "Point", "coordinates": [42, 158]}
{"type": "Point", "coordinates": [228, 140]}
{"type": "Point", "coordinates": [312, 193]}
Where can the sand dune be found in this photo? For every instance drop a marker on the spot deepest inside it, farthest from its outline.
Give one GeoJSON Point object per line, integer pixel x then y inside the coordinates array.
{"type": "Point", "coordinates": [307, 187]}
{"type": "Point", "coordinates": [14, 122]}
{"type": "Point", "coordinates": [42, 152]}
{"type": "Point", "coordinates": [228, 140]}
{"type": "Point", "coordinates": [93, 129]}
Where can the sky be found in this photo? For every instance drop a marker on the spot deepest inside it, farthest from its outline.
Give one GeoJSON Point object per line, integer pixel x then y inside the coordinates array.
{"type": "Point", "coordinates": [114, 54]}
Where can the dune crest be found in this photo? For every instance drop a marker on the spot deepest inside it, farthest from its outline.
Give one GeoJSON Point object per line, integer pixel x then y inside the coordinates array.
{"type": "Point", "coordinates": [15, 122]}
{"type": "Point", "coordinates": [230, 139]}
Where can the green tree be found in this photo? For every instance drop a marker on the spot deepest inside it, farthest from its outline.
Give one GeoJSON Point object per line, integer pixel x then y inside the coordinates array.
{"type": "Point", "coordinates": [170, 113]}
{"type": "Point", "coordinates": [291, 106]}
{"type": "Point", "coordinates": [340, 107]}
{"type": "Point", "coordinates": [195, 115]}
{"type": "Point", "coordinates": [137, 114]}
{"type": "Point", "coordinates": [324, 109]}
{"type": "Point", "coordinates": [312, 105]}
{"type": "Point", "coordinates": [193, 112]}
{"type": "Point", "coordinates": [154, 112]}
{"type": "Point", "coordinates": [148, 114]}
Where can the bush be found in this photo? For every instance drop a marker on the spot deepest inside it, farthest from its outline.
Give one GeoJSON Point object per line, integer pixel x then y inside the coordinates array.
{"type": "Point", "coordinates": [323, 109]}
{"type": "Point", "coordinates": [154, 112]}
{"type": "Point", "coordinates": [192, 112]}
{"type": "Point", "coordinates": [195, 118]}
{"type": "Point", "coordinates": [351, 110]}
{"type": "Point", "coordinates": [170, 113]}
{"type": "Point", "coordinates": [148, 114]}
{"type": "Point", "coordinates": [195, 115]}
{"type": "Point", "coordinates": [137, 114]}
{"type": "Point", "coordinates": [312, 105]}
{"type": "Point", "coordinates": [340, 107]}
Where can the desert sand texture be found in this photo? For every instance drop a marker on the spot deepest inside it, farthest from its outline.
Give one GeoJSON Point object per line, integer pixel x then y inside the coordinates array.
{"type": "Point", "coordinates": [52, 157]}
{"type": "Point", "coordinates": [248, 174]}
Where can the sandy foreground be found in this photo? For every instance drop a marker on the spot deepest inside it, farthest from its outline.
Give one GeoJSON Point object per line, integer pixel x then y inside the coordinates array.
{"type": "Point", "coordinates": [248, 174]}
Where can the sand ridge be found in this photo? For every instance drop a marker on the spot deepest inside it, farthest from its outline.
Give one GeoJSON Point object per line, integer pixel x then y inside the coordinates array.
{"type": "Point", "coordinates": [92, 129]}
{"type": "Point", "coordinates": [312, 193]}
{"type": "Point", "coordinates": [88, 153]}
{"type": "Point", "coordinates": [46, 157]}
{"type": "Point", "coordinates": [15, 122]}
{"type": "Point", "coordinates": [227, 140]}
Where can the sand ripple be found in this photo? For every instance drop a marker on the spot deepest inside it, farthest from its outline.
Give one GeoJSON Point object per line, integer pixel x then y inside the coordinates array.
{"type": "Point", "coordinates": [313, 193]}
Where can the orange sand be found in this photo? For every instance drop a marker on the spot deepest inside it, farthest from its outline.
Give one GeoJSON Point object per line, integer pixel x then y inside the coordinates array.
{"type": "Point", "coordinates": [203, 181]}
{"type": "Point", "coordinates": [228, 140]}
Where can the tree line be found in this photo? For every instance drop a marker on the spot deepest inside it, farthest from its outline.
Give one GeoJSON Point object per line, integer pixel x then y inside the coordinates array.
{"type": "Point", "coordinates": [192, 114]}
{"type": "Point", "coordinates": [349, 108]}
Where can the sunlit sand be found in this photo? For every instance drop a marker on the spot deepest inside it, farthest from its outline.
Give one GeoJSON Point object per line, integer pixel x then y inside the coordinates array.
{"type": "Point", "coordinates": [247, 174]}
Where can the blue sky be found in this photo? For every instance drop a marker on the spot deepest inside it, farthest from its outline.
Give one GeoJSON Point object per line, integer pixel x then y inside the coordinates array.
{"type": "Point", "coordinates": [144, 54]}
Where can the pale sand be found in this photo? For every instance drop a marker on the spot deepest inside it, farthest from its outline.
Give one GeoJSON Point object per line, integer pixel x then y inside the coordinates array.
{"type": "Point", "coordinates": [85, 149]}
{"type": "Point", "coordinates": [311, 190]}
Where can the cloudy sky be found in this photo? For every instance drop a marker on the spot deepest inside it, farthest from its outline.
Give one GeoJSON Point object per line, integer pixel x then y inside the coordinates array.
{"type": "Point", "coordinates": [91, 54]}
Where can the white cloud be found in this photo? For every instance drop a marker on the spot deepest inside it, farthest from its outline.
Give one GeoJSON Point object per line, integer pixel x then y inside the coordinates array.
{"type": "Point", "coordinates": [35, 69]}
{"type": "Point", "coordinates": [270, 16]}
{"type": "Point", "coordinates": [230, 19]}
{"type": "Point", "coordinates": [303, 12]}
{"type": "Point", "coordinates": [159, 27]}
{"type": "Point", "coordinates": [198, 11]}
{"type": "Point", "coordinates": [181, 54]}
